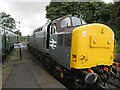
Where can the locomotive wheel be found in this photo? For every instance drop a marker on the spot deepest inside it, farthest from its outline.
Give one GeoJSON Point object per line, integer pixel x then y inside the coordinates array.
{"type": "Point", "coordinates": [61, 75]}
{"type": "Point", "coordinates": [40, 57]}
{"type": "Point", "coordinates": [47, 60]}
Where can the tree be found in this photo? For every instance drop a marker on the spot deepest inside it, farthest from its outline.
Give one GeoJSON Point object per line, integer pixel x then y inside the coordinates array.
{"type": "Point", "coordinates": [18, 32]}
{"type": "Point", "coordinates": [6, 21]}
{"type": "Point", "coordinates": [115, 19]}
{"type": "Point", "coordinates": [91, 11]}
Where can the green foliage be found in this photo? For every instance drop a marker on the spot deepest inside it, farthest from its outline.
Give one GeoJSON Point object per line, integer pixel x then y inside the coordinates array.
{"type": "Point", "coordinates": [6, 21]}
{"type": "Point", "coordinates": [117, 47]}
{"type": "Point", "coordinates": [115, 19]}
{"type": "Point", "coordinates": [24, 38]}
{"type": "Point", "coordinates": [91, 11]}
{"type": "Point", "coordinates": [18, 32]}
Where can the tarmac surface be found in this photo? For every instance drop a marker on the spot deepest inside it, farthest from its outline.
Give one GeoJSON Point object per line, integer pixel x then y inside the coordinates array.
{"type": "Point", "coordinates": [26, 73]}
{"type": "Point", "coordinates": [21, 77]}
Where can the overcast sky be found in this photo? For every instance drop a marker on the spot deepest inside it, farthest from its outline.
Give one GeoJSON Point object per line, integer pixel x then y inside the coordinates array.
{"type": "Point", "coordinates": [31, 13]}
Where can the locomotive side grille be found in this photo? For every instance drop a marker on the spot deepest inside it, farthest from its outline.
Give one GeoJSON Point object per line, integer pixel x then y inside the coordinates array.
{"type": "Point", "coordinates": [64, 39]}
{"type": "Point", "coordinates": [67, 41]}
{"type": "Point", "coordinates": [60, 39]}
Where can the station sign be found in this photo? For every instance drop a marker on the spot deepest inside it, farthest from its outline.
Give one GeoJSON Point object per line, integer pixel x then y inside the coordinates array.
{"type": "Point", "coordinates": [19, 45]}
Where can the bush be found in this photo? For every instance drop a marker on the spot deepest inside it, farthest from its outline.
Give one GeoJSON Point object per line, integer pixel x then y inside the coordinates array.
{"type": "Point", "coordinates": [117, 46]}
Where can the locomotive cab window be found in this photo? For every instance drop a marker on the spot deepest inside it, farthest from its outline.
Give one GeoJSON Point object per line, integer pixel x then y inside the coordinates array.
{"type": "Point", "coordinates": [72, 21]}
{"type": "Point", "coordinates": [65, 22]}
{"type": "Point", "coordinates": [76, 21]}
{"type": "Point", "coordinates": [53, 28]}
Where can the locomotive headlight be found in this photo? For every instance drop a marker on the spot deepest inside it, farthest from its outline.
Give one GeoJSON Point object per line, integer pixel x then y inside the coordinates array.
{"type": "Point", "coordinates": [82, 57]}
{"type": "Point", "coordinates": [108, 42]}
{"type": "Point", "coordinates": [74, 58]}
{"type": "Point", "coordinates": [95, 41]}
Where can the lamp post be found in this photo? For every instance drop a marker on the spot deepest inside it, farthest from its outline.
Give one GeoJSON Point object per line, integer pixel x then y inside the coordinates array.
{"type": "Point", "coordinates": [18, 25]}
{"type": "Point", "coordinates": [18, 30]}
{"type": "Point", "coordinates": [17, 39]}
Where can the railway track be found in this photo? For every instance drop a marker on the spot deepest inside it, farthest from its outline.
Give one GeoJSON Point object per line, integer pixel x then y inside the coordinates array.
{"type": "Point", "coordinates": [115, 80]}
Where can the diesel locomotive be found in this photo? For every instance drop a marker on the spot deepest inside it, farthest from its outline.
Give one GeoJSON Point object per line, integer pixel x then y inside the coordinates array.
{"type": "Point", "coordinates": [71, 48]}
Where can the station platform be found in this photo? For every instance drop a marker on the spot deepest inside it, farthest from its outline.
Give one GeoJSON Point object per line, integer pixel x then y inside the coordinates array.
{"type": "Point", "coordinates": [29, 73]}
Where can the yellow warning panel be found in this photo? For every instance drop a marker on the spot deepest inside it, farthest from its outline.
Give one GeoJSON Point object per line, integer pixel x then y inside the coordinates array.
{"type": "Point", "coordinates": [92, 45]}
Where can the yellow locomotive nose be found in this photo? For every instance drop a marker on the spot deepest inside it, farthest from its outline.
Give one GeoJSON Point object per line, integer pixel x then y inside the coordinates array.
{"type": "Point", "coordinates": [92, 45]}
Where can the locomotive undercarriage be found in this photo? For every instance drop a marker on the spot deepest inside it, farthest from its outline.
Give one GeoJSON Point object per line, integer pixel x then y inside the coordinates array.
{"type": "Point", "coordinates": [101, 77]}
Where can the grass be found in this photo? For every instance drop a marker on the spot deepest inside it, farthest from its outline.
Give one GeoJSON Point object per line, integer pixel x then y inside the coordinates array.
{"type": "Point", "coordinates": [15, 55]}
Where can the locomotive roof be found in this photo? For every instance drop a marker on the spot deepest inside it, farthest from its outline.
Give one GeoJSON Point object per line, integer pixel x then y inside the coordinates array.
{"type": "Point", "coordinates": [58, 22]}
{"type": "Point", "coordinates": [38, 29]}
{"type": "Point", "coordinates": [70, 15]}
{"type": "Point", "coordinates": [61, 18]}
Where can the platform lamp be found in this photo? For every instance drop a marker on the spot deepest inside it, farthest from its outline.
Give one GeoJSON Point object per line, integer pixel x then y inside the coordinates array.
{"type": "Point", "coordinates": [18, 30]}
{"type": "Point", "coordinates": [18, 38]}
